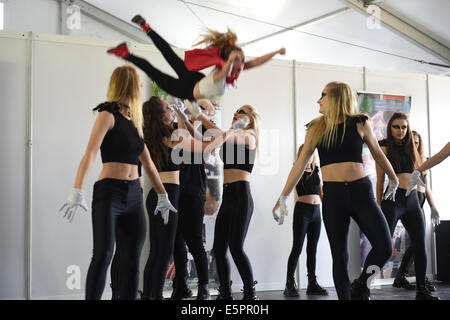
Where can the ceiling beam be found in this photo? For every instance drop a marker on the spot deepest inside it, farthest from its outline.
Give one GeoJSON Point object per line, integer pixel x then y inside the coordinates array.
{"type": "Point", "coordinates": [406, 30]}
{"type": "Point", "coordinates": [105, 18]}
{"type": "Point", "coordinates": [305, 23]}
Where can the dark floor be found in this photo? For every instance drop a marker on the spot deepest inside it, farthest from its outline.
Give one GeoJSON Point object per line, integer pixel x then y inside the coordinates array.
{"type": "Point", "coordinates": [386, 292]}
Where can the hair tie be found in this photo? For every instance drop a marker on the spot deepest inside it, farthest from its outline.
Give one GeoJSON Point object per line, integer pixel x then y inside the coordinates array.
{"type": "Point", "coordinates": [231, 42]}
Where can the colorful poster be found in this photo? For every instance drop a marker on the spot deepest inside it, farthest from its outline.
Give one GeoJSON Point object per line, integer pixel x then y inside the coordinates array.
{"type": "Point", "coordinates": [380, 107]}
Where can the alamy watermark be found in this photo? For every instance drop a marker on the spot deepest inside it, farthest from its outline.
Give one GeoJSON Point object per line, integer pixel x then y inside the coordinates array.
{"type": "Point", "coordinates": [73, 21]}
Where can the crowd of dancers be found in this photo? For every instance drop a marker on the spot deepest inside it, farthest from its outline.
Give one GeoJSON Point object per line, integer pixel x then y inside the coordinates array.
{"type": "Point", "coordinates": [156, 134]}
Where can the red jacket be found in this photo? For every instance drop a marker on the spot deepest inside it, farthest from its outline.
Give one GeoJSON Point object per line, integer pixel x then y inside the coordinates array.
{"type": "Point", "coordinates": [199, 59]}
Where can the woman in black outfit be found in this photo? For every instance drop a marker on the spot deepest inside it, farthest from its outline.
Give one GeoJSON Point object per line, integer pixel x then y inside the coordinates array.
{"type": "Point", "coordinates": [399, 149]}
{"type": "Point", "coordinates": [117, 206]}
{"type": "Point", "coordinates": [423, 193]}
{"type": "Point", "coordinates": [347, 192]}
{"type": "Point", "coordinates": [233, 219]}
{"type": "Point", "coordinates": [306, 222]}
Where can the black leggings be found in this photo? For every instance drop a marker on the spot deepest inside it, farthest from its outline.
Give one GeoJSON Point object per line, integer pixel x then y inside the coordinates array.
{"type": "Point", "coordinates": [162, 239]}
{"type": "Point", "coordinates": [230, 230]}
{"type": "Point", "coordinates": [408, 256]}
{"type": "Point", "coordinates": [342, 200]}
{"type": "Point", "coordinates": [190, 232]}
{"type": "Point", "coordinates": [307, 221]}
{"type": "Point", "coordinates": [183, 87]}
{"type": "Point", "coordinates": [117, 217]}
{"type": "Point", "coordinates": [408, 210]}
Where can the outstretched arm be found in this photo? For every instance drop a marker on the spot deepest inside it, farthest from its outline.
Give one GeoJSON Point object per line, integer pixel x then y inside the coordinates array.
{"type": "Point", "coordinates": [263, 59]}
{"type": "Point", "coordinates": [436, 159]}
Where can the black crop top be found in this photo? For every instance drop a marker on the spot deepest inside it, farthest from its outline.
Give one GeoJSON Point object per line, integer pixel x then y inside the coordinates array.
{"type": "Point", "coordinates": [170, 165]}
{"type": "Point", "coordinates": [237, 156]}
{"type": "Point", "coordinates": [309, 183]}
{"type": "Point", "coordinates": [350, 150]}
{"type": "Point", "coordinates": [122, 143]}
{"type": "Point", "coordinates": [405, 165]}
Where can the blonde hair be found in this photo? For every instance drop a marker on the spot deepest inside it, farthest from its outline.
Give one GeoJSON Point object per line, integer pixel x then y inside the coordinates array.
{"type": "Point", "coordinates": [254, 115]}
{"type": "Point", "coordinates": [341, 106]}
{"type": "Point", "coordinates": [125, 83]}
{"type": "Point", "coordinates": [225, 42]}
{"type": "Point", "coordinates": [213, 38]}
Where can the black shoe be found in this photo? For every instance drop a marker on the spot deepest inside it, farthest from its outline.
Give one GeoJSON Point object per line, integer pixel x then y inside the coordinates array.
{"type": "Point", "coordinates": [314, 288]}
{"type": "Point", "coordinates": [359, 290]}
{"type": "Point", "coordinates": [424, 294]}
{"type": "Point", "coordinates": [138, 19]}
{"type": "Point", "coordinates": [225, 292]}
{"type": "Point", "coordinates": [429, 285]}
{"type": "Point", "coordinates": [203, 292]}
{"type": "Point", "coordinates": [182, 292]}
{"type": "Point", "coordinates": [401, 282]}
{"type": "Point", "coordinates": [291, 288]}
{"type": "Point", "coordinates": [249, 292]}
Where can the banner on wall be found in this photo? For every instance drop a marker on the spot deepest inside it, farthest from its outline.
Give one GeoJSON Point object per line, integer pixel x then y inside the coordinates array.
{"type": "Point", "coordinates": [380, 107]}
{"type": "Point", "coordinates": [214, 174]}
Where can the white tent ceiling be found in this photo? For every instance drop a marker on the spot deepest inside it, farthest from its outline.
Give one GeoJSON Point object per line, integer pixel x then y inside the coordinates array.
{"type": "Point", "coordinates": [342, 38]}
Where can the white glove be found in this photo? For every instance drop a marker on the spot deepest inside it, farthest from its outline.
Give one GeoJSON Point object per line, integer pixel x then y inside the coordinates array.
{"type": "Point", "coordinates": [283, 210]}
{"type": "Point", "coordinates": [391, 190]}
{"type": "Point", "coordinates": [73, 203]}
{"type": "Point", "coordinates": [179, 108]}
{"type": "Point", "coordinates": [164, 206]}
{"type": "Point", "coordinates": [435, 218]}
{"type": "Point", "coordinates": [413, 181]}
{"type": "Point", "coordinates": [193, 108]}
{"type": "Point", "coordinates": [241, 123]}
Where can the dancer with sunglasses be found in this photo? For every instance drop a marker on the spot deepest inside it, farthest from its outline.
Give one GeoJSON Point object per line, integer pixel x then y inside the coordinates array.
{"type": "Point", "coordinates": [306, 222]}
{"type": "Point", "coordinates": [233, 219]}
{"type": "Point", "coordinates": [221, 52]}
{"type": "Point", "coordinates": [347, 191]}
{"type": "Point", "coordinates": [423, 193]}
{"type": "Point", "coordinates": [403, 156]}
{"type": "Point", "coordinates": [117, 206]}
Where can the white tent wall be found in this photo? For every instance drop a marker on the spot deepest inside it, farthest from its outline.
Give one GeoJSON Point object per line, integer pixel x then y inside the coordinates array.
{"type": "Point", "coordinates": [13, 143]}
{"type": "Point", "coordinates": [70, 76]}
{"type": "Point", "coordinates": [439, 135]}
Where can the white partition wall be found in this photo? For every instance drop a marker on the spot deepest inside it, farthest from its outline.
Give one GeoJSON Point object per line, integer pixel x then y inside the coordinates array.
{"type": "Point", "coordinates": [13, 168]}
{"type": "Point", "coordinates": [439, 108]}
{"type": "Point", "coordinates": [60, 79]}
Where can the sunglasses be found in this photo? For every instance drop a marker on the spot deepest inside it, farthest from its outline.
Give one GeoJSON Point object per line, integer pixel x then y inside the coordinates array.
{"type": "Point", "coordinates": [396, 126]}
{"type": "Point", "coordinates": [322, 95]}
{"type": "Point", "coordinates": [241, 112]}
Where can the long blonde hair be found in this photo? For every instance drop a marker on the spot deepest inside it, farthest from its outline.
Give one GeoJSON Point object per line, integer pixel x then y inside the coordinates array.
{"type": "Point", "coordinates": [254, 115]}
{"type": "Point", "coordinates": [341, 106]}
{"type": "Point", "coordinates": [226, 41]}
{"type": "Point", "coordinates": [125, 83]}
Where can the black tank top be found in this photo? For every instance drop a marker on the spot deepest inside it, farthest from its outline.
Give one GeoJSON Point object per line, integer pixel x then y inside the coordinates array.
{"type": "Point", "coordinates": [405, 165]}
{"type": "Point", "coordinates": [237, 156]}
{"type": "Point", "coordinates": [350, 149]}
{"type": "Point", "coordinates": [122, 143]}
{"type": "Point", "coordinates": [309, 183]}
